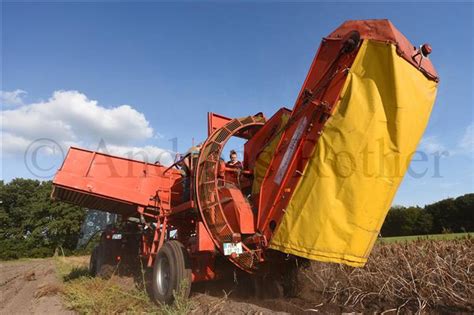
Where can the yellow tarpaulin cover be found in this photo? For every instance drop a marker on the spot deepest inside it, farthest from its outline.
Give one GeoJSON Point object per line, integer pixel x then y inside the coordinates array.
{"type": "Point", "coordinates": [338, 207]}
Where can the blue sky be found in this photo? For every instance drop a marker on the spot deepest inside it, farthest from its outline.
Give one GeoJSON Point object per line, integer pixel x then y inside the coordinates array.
{"type": "Point", "coordinates": [174, 62]}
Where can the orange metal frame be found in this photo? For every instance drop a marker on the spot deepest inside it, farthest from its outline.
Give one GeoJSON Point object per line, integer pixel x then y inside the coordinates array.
{"type": "Point", "coordinates": [209, 195]}
{"type": "Point", "coordinates": [218, 211]}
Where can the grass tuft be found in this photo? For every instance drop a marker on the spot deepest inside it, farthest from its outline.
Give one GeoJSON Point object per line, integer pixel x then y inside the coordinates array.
{"type": "Point", "coordinates": [48, 289]}
{"type": "Point", "coordinates": [76, 272]}
{"type": "Point", "coordinates": [182, 304]}
{"type": "Point", "coordinates": [89, 295]}
{"type": "Point", "coordinates": [99, 296]}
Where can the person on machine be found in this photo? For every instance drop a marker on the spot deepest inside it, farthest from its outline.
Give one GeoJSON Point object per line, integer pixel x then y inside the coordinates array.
{"type": "Point", "coordinates": [234, 162]}
{"type": "Point", "coordinates": [233, 168]}
{"type": "Point", "coordinates": [186, 166]}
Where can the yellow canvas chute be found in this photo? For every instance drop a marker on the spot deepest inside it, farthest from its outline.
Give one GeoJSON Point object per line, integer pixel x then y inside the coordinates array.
{"type": "Point", "coordinates": [339, 205]}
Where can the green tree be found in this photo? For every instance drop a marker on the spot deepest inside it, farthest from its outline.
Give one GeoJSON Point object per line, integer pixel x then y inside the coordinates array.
{"type": "Point", "coordinates": [465, 212]}
{"type": "Point", "coordinates": [31, 224]}
{"type": "Point", "coordinates": [455, 215]}
{"type": "Point", "coordinates": [393, 222]}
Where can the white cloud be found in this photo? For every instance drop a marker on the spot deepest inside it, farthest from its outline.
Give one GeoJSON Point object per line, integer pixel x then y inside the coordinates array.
{"type": "Point", "coordinates": [431, 144]}
{"type": "Point", "coordinates": [70, 118]}
{"type": "Point", "coordinates": [12, 98]}
{"type": "Point", "coordinates": [466, 143]}
{"type": "Point", "coordinates": [13, 144]}
{"type": "Point", "coordinates": [71, 115]}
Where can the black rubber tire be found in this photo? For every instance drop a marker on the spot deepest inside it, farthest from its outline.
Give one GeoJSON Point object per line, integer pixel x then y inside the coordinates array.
{"type": "Point", "coordinates": [93, 262]}
{"type": "Point", "coordinates": [106, 271]}
{"type": "Point", "coordinates": [171, 270]}
{"type": "Point", "coordinates": [103, 268]}
{"type": "Point", "coordinates": [185, 268]}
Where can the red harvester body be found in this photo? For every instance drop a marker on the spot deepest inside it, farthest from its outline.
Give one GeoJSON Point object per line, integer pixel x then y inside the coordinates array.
{"type": "Point", "coordinates": [197, 212]}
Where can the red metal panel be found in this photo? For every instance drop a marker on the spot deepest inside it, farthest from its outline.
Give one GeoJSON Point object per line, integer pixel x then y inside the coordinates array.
{"type": "Point", "coordinates": [205, 243]}
{"type": "Point", "coordinates": [237, 210]}
{"type": "Point", "coordinates": [314, 105]}
{"type": "Point", "coordinates": [108, 178]}
{"type": "Point", "coordinates": [385, 31]}
{"type": "Point", "coordinates": [264, 135]}
{"type": "Point", "coordinates": [215, 121]}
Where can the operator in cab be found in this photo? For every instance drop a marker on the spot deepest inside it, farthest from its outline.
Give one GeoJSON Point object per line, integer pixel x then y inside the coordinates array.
{"type": "Point", "coordinates": [233, 167]}
{"type": "Point", "coordinates": [234, 161]}
{"type": "Point", "coordinates": [186, 165]}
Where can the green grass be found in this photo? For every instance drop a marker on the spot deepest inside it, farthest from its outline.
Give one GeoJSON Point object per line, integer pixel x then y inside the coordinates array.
{"type": "Point", "coordinates": [89, 295]}
{"type": "Point", "coordinates": [410, 238]}
{"type": "Point", "coordinates": [98, 296]}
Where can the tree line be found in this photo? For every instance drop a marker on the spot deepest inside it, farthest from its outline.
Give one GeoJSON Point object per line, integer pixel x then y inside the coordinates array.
{"type": "Point", "coordinates": [32, 225]}
{"type": "Point", "coordinates": [452, 215]}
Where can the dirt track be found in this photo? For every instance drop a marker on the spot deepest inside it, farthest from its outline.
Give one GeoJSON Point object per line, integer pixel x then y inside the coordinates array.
{"type": "Point", "coordinates": [30, 287]}
{"type": "Point", "coordinates": [220, 304]}
{"type": "Point", "coordinates": [33, 287]}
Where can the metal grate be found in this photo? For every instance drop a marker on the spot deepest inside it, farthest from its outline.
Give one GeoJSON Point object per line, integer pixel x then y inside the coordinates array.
{"type": "Point", "coordinates": [233, 125]}
{"type": "Point", "coordinates": [208, 190]}
{"type": "Point", "coordinates": [222, 136]}
{"type": "Point", "coordinates": [91, 201]}
{"type": "Point", "coordinates": [247, 120]}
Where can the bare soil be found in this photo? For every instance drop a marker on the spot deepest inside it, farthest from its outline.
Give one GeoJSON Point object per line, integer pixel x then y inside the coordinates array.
{"type": "Point", "coordinates": [33, 287]}
{"type": "Point", "coordinates": [225, 297]}
{"type": "Point", "coordinates": [431, 277]}
{"type": "Point", "coordinates": [30, 287]}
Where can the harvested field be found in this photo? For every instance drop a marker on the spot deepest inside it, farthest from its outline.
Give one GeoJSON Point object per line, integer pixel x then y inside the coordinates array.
{"type": "Point", "coordinates": [424, 276]}
{"type": "Point", "coordinates": [30, 286]}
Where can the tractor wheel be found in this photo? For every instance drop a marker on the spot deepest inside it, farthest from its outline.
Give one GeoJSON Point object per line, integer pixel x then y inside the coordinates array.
{"type": "Point", "coordinates": [103, 268]}
{"type": "Point", "coordinates": [93, 262]}
{"type": "Point", "coordinates": [171, 273]}
{"type": "Point", "coordinates": [106, 271]}
{"type": "Point", "coordinates": [184, 285]}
